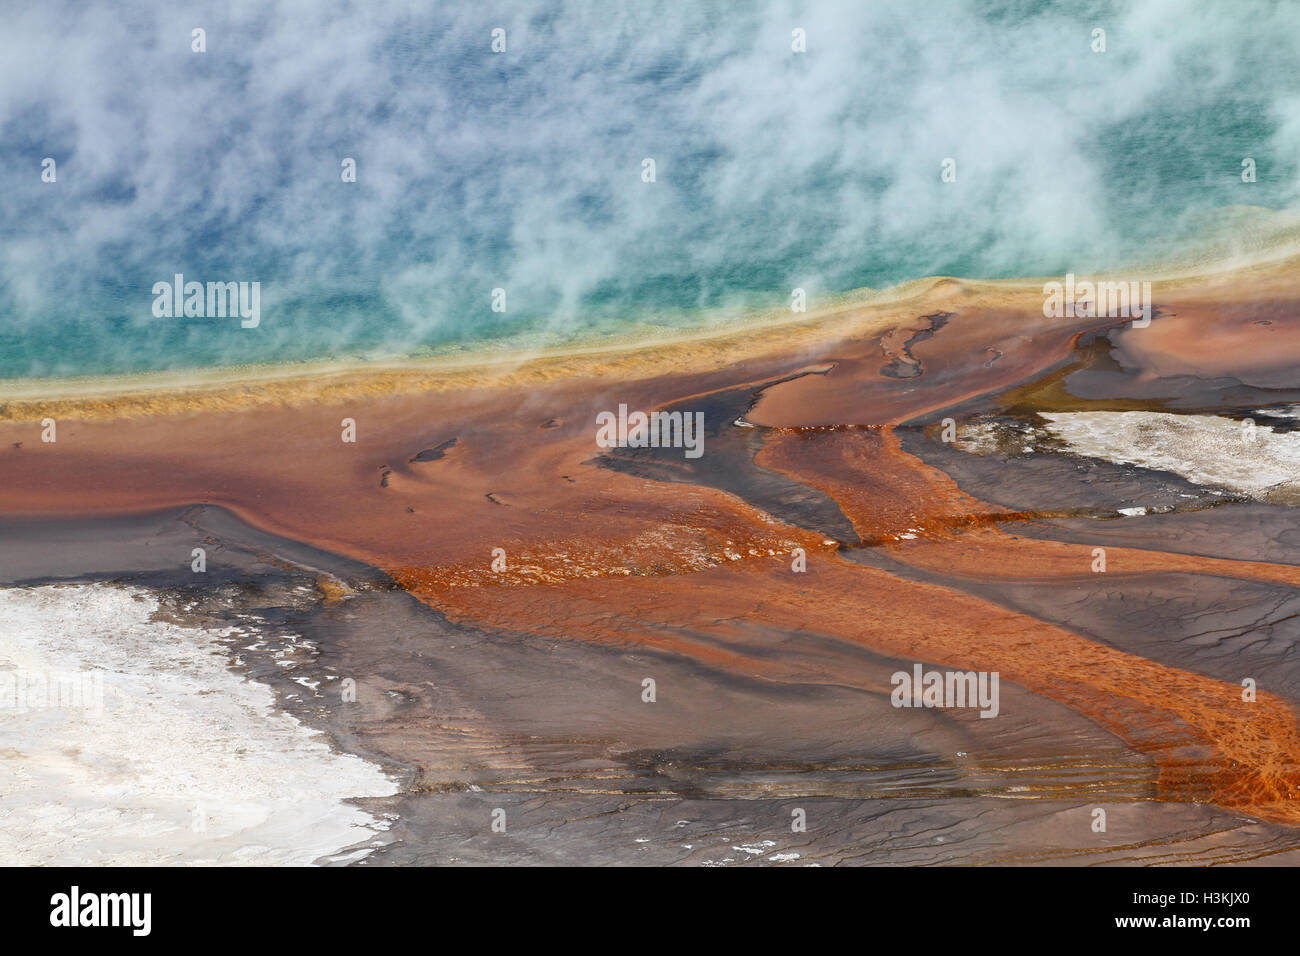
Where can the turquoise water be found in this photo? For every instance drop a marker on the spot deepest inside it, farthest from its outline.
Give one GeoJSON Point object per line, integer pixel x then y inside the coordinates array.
{"type": "Point", "coordinates": [522, 170]}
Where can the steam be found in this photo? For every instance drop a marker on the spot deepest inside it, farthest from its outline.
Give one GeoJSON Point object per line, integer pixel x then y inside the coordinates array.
{"type": "Point", "coordinates": [521, 170]}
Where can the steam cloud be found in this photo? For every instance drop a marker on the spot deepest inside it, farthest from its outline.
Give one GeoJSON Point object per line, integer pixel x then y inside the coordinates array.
{"type": "Point", "coordinates": [521, 170]}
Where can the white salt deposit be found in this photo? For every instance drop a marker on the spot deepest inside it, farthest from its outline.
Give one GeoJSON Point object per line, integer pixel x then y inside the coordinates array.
{"type": "Point", "coordinates": [180, 760]}
{"type": "Point", "coordinates": [1253, 460]}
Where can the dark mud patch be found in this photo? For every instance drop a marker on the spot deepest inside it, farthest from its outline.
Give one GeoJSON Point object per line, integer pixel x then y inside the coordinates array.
{"type": "Point", "coordinates": [905, 364]}
{"type": "Point", "coordinates": [434, 453]}
{"type": "Point", "coordinates": [727, 463]}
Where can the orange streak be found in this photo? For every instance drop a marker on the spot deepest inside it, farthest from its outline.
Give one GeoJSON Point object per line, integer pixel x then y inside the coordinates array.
{"type": "Point", "coordinates": [1209, 743]}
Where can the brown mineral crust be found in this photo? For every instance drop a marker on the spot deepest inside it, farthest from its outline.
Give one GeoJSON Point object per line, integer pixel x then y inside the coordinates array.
{"type": "Point", "coordinates": [601, 556]}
